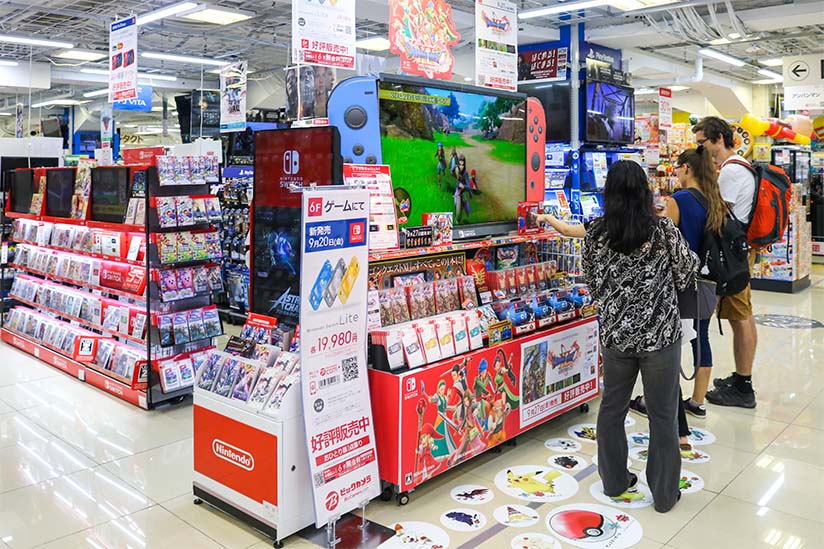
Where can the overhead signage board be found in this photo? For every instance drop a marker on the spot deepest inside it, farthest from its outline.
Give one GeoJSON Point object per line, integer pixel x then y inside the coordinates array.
{"type": "Point", "coordinates": [496, 51]}
{"type": "Point", "coordinates": [804, 70]}
{"type": "Point", "coordinates": [123, 60]}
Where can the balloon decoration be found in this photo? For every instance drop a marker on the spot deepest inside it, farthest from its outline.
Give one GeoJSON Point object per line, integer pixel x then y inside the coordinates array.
{"type": "Point", "coordinates": [778, 129]}
{"type": "Point", "coordinates": [742, 140]}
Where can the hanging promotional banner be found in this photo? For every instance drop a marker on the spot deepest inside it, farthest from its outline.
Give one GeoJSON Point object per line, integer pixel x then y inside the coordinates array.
{"type": "Point", "coordinates": [106, 126]}
{"type": "Point", "coordinates": [544, 64]}
{"type": "Point", "coordinates": [323, 33]}
{"type": "Point", "coordinates": [664, 109]}
{"type": "Point", "coordinates": [802, 98]}
{"type": "Point", "coordinates": [141, 103]}
{"type": "Point", "coordinates": [337, 412]}
{"type": "Point", "coordinates": [422, 33]}
{"type": "Point", "coordinates": [18, 122]}
{"type": "Point", "coordinates": [383, 224]}
{"type": "Point", "coordinates": [123, 60]}
{"type": "Point", "coordinates": [496, 52]}
{"type": "Point", "coordinates": [233, 97]}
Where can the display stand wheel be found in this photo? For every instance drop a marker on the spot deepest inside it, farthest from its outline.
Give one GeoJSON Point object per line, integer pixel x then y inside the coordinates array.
{"type": "Point", "coordinates": [197, 501]}
{"type": "Point", "coordinates": [584, 408]}
{"type": "Point", "coordinates": [512, 442]}
{"type": "Point", "coordinates": [403, 498]}
{"type": "Point", "coordinates": [278, 544]}
{"type": "Point", "coordinates": [386, 493]}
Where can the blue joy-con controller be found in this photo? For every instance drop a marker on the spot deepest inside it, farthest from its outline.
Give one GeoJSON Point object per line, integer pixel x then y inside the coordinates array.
{"type": "Point", "coordinates": [353, 109]}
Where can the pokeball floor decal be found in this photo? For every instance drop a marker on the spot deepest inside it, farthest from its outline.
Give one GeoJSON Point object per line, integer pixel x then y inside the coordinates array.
{"type": "Point", "coordinates": [594, 526]}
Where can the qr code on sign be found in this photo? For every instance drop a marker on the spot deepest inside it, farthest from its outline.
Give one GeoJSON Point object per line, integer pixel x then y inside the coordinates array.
{"type": "Point", "coordinates": [350, 368]}
{"type": "Point", "coordinates": [318, 478]}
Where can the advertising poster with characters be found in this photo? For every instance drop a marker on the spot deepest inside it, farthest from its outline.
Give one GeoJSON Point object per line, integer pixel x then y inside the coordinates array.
{"type": "Point", "coordinates": [454, 410]}
{"type": "Point", "coordinates": [558, 370]}
{"type": "Point", "coordinates": [422, 33]}
{"type": "Point", "coordinates": [496, 48]}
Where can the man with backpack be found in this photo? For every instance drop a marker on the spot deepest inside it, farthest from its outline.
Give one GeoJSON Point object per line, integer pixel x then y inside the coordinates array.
{"type": "Point", "coordinates": [738, 186]}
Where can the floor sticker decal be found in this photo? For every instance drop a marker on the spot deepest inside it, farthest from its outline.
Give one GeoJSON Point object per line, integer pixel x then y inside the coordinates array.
{"type": "Point", "coordinates": [594, 526]}
{"type": "Point", "coordinates": [689, 483]}
{"type": "Point", "coordinates": [567, 462]}
{"type": "Point", "coordinates": [518, 516]}
{"type": "Point", "coordinates": [417, 535]}
{"type": "Point", "coordinates": [640, 453]}
{"type": "Point", "coordinates": [629, 421]}
{"type": "Point", "coordinates": [641, 438]}
{"type": "Point", "coordinates": [583, 431]}
{"type": "Point", "coordinates": [563, 445]}
{"type": "Point", "coordinates": [533, 540]}
{"type": "Point", "coordinates": [472, 494]}
{"type": "Point", "coordinates": [536, 483]}
{"type": "Point", "coordinates": [639, 496]}
{"type": "Point", "coordinates": [700, 437]}
{"type": "Point", "coordinates": [463, 520]}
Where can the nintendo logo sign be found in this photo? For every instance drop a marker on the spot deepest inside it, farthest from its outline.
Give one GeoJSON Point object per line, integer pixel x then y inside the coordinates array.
{"type": "Point", "coordinates": [233, 454]}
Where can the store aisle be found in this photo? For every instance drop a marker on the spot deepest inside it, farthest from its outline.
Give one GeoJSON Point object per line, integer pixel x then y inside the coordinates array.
{"type": "Point", "coordinates": [81, 469]}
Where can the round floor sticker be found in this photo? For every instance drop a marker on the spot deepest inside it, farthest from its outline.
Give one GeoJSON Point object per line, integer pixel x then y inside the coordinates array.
{"type": "Point", "coordinates": [594, 526]}
{"type": "Point", "coordinates": [629, 421]}
{"type": "Point", "coordinates": [700, 437]}
{"type": "Point", "coordinates": [640, 438]}
{"type": "Point", "coordinates": [595, 461]}
{"type": "Point", "coordinates": [641, 453]}
{"type": "Point", "coordinates": [416, 535]}
{"type": "Point", "coordinates": [534, 540]}
{"type": "Point", "coordinates": [536, 483]}
{"type": "Point", "coordinates": [472, 494]}
{"type": "Point", "coordinates": [463, 520]}
{"type": "Point", "coordinates": [563, 445]}
{"type": "Point", "coordinates": [689, 483]}
{"type": "Point", "coordinates": [518, 516]}
{"type": "Point", "coordinates": [567, 462]}
{"type": "Point", "coordinates": [634, 498]}
{"type": "Point", "coordinates": [583, 431]}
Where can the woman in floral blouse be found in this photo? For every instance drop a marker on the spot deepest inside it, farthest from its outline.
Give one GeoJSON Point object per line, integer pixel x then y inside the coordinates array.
{"type": "Point", "coordinates": [635, 263]}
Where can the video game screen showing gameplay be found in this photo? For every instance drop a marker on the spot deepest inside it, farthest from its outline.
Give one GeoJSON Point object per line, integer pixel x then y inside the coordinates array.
{"type": "Point", "coordinates": [453, 151]}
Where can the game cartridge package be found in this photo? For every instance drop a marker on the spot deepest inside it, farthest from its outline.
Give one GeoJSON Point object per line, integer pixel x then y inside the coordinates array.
{"type": "Point", "coordinates": [166, 211]}
{"type": "Point", "coordinates": [199, 214]}
{"type": "Point", "coordinates": [443, 330]}
{"type": "Point", "coordinates": [180, 322]}
{"type": "Point", "coordinates": [166, 170]}
{"type": "Point", "coordinates": [131, 209]}
{"type": "Point", "coordinates": [183, 170]}
{"type": "Point", "coordinates": [446, 295]}
{"type": "Point", "coordinates": [429, 342]}
{"type": "Point", "coordinates": [140, 213]}
{"type": "Point", "coordinates": [394, 348]}
{"type": "Point", "coordinates": [105, 348]}
{"type": "Point", "coordinates": [459, 334]}
{"type": "Point", "coordinates": [266, 383]}
{"type": "Point", "coordinates": [185, 213]}
{"type": "Point", "coordinates": [111, 318]}
{"type": "Point", "coordinates": [187, 372]}
{"type": "Point", "coordinates": [473, 328]}
{"type": "Point", "coordinates": [211, 322]}
{"type": "Point", "coordinates": [469, 295]}
{"type": "Point", "coordinates": [411, 347]}
{"type": "Point", "coordinates": [185, 282]}
{"type": "Point", "coordinates": [209, 371]}
{"type": "Point", "coordinates": [213, 209]}
{"type": "Point", "coordinates": [164, 326]}
{"type": "Point", "coordinates": [201, 280]}
{"type": "Point", "coordinates": [139, 328]}
{"type": "Point", "coordinates": [387, 318]}
{"type": "Point", "coordinates": [320, 285]}
{"type": "Point", "coordinates": [167, 283]}
{"type": "Point", "coordinates": [169, 376]}
{"type": "Point", "coordinates": [349, 278]}
{"type": "Point", "coordinates": [247, 375]}
{"type": "Point", "coordinates": [330, 294]}
{"type": "Point", "coordinates": [273, 406]}
{"type": "Point", "coordinates": [213, 247]}
{"type": "Point", "coordinates": [226, 378]}
{"type": "Point", "coordinates": [540, 277]}
{"type": "Point", "coordinates": [167, 248]}
{"type": "Point", "coordinates": [400, 306]}
{"type": "Point", "coordinates": [215, 280]}
{"type": "Point", "coordinates": [511, 282]}
{"type": "Point", "coordinates": [184, 246]}
{"type": "Point", "coordinates": [196, 329]}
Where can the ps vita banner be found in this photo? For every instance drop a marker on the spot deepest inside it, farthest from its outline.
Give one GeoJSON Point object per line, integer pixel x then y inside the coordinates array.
{"type": "Point", "coordinates": [337, 411]}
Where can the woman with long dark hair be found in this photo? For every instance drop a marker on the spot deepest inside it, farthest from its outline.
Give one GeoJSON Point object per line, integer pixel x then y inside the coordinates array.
{"type": "Point", "coordinates": [635, 263]}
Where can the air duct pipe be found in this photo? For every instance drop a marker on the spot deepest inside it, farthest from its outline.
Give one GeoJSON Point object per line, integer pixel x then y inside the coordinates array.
{"type": "Point", "coordinates": [696, 76]}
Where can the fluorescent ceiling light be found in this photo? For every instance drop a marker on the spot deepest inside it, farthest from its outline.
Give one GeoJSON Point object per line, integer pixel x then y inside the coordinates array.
{"type": "Point", "coordinates": [630, 5]}
{"type": "Point", "coordinates": [375, 43]}
{"type": "Point", "coordinates": [720, 41]}
{"type": "Point", "coordinates": [645, 91]}
{"type": "Point", "coordinates": [774, 62]}
{"type": "Point", "coordinates": [96, 93]}
{"type": "Point", "coordinates": [217, 71]}
{"type": "Point", "coordinates": [5, 114]}
{"type": "Point", "coordinates": [81, 55]}
{"type": "Point", "coordinates": [707, 52]}
{"type": "Point", "coordinates": [163, 13]}
{"type": "Point", "coordinates": [678, 88]}
{"type": "Point", "coordinates": [770, 74]}
{"type": "Point", "coordinates": [35, 42]}
{"type": "Point", "coordinates": [562, 8]}
{"type": "Point", "coordinates": [144, 75]}
{"type": "Point", "coordinates": [218, 16]}
{"type": "Point", "coordinates": [6, 63]}
{"type": "Point", "coordinates": [733, 36]}
{"type": "Point", "coordinates": [51, 102]}
{"type": "Point", "coordinates": [183, 59]}
{"type": "Point", "coordinates": [767, 81]}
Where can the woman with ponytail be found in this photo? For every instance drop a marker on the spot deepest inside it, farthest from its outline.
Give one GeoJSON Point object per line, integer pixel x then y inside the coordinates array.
{"type": "Point", "coordinates": [696, 170]}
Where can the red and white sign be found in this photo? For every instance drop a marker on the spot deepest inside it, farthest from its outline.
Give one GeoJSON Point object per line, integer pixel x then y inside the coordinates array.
{"type": "Point", "coordinates": [85, 348]}
{"type": "Point", "coordinates": [423, 32]}
{"type": "Point", "coordinates": [123, 60]}
{"type": "Point", "coordinates": [383, 224]}
{"type": "Point", "coordinates": [324, 33]}
{"type": "Point", "coordinates": [123, 277]}
{"type": "Point", "coordinates": [664, 108]}
{"type": "Point", "coordinates": [496, 47]}
{"type": "Point", "coordinates": [818, 248]}
{"type": "Point", "coordinates": [142, 155]}
{"type": "Point", "coordinates": [337, 412]}
{"type": "Point", "coordinates": [544, 64]}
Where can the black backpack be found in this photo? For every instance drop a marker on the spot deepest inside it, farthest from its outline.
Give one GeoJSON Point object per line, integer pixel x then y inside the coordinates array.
{"type": "Point", "coordinates": [725, 255]}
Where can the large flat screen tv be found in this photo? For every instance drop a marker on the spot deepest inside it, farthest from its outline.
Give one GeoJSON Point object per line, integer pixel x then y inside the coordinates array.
{"type": "Point", "coordinates": [556, 100]}
{"type": "Point", "coordinates": [110, 194]}
{"type": "Point", "coordinates": [22, 189]}
{"type": "Point", "coordinates": [610, 113]}
{"type": "Point", "coordinates": [59, 191]}
{"type": "Point", "coordinates": [484, 128]}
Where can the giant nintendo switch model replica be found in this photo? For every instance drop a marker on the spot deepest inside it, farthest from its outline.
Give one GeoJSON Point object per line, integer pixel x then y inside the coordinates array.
{"type": "Point", "coordinates": [451, 147]}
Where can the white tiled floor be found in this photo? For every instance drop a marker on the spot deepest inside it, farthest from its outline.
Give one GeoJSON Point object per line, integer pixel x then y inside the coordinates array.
{"type": "Point", "coordinates": [81, 469]}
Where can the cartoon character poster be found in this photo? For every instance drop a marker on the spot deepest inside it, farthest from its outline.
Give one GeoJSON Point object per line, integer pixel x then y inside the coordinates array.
{"type": "Point", "coordinates": [422, 33]}
{"type": "Point", "coordinates": [496, 47]}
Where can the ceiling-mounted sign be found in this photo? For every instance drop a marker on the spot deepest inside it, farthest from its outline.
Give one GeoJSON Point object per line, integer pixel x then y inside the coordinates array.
{"type": "Point", "coordinates": [323, 33]}
{"type": "Point", "coordinates": [804, 70]}
{"type": "Point", "coordinates": [423, 32]}
{"type": "Point", "coordinates": [593, 53]}
{"type": "Point", "coordinates": [496, 48]}
{"type": "Point", "coordinates": [802, 98]}
{"type": "Point", "coordinates": [123, 60]}
{"type": "Point", "coordinates": [233, 97]}
{"type": "Point", "coordinates": [142, 103]}
{"type": "Point", "coordinates": [543, 64]}
{"type": "Point", "coordinates": [664, 108]}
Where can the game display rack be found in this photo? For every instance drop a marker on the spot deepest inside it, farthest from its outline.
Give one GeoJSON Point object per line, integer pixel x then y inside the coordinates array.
{"type": "Point", "coordinates": [116, 290]}
{"type": "Point", "coordinates": [235, 194]}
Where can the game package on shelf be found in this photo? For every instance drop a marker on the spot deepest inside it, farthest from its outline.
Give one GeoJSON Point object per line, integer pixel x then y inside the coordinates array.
{"type": "Point", "coordinates": [185, 246]}
{"type": "Point", "coordinates": [187, 170]}
{"type": "Point", "coordinates": [189, 326]}
{"type": "Point", "coordinates": [118, 245]}
{"type": "Point", "coordinates": [117, 317]}
{"type": "Point", "coordinates": [124, 361]}
{"type": "Point", "coordinates": [185, 211]}
{"type": "Point", "coordinates": [175, 284]}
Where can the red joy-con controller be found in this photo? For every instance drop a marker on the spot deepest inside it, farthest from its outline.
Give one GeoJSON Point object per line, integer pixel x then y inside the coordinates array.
{"type": "Point", "coordinates": [535, 150]}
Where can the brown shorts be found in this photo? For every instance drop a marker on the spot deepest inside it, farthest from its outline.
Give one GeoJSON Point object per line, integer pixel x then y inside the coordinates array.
{"type": "Point", "coordinates": [738, 306]}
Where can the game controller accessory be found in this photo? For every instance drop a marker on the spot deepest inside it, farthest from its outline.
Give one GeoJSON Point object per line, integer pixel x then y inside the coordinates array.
{"type": "Point", "coordinates": [535, 149]}
{"type": "Point", "coordinates": [353, 109]}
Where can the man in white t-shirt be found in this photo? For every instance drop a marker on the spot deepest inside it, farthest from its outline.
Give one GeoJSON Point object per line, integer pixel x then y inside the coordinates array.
{"type": "Point", "coordinates": [737, 184]}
